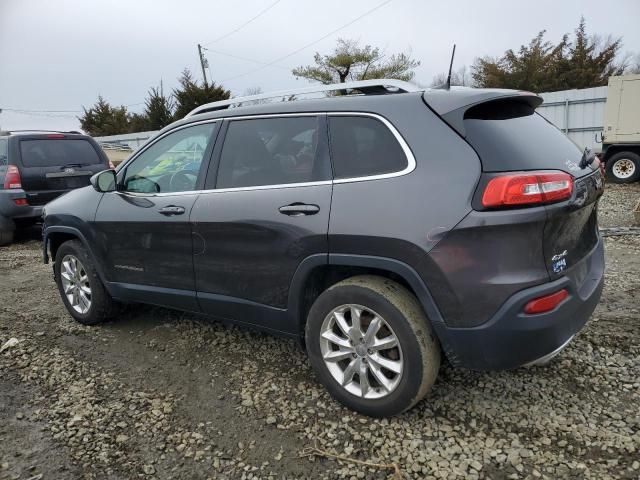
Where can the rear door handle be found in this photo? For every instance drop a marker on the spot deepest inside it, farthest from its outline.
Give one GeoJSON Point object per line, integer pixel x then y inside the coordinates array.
{"type": "Point", "coordinates": [297, 209]}
{"type": "Point", "coordinates": [171, 210]}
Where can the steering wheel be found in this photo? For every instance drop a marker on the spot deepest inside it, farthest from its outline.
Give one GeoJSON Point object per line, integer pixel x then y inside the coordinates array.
{"type": "Point", "coordinates": [182, 181]}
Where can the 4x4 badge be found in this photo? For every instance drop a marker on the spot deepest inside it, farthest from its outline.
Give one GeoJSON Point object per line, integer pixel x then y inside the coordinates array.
{"type": "Point", "coordinates": [559, 262]}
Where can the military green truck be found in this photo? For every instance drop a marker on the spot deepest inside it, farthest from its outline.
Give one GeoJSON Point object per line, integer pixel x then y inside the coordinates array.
{"type": "Point", "coordinates": [621, 131]}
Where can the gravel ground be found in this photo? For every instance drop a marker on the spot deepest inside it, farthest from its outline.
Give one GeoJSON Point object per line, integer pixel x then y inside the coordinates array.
{"type": "Point", "coordinates": [161, 394]}
{"type": "Point", "coordinates": [616, 207]}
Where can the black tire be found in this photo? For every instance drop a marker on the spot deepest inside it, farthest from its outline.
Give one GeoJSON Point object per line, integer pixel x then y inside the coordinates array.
{"type": "Point", "coordinates": [614, 168]}
{"type": "Point", "coordinates": [6, 238]}
{"type": "Point", "coordinates": [402, 312]}
{"type": "Point", "coordinates": [102, 305]}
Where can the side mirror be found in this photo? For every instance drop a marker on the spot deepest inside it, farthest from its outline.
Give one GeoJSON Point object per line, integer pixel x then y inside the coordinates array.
{"type": "Point", "coordinates": [104, 181]}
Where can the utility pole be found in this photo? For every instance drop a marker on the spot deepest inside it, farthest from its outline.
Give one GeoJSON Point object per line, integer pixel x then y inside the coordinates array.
{"type": "Point", "coordinates": [203, 64]}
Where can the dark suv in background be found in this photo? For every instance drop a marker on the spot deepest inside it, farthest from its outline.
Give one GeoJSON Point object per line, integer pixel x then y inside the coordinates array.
{"type": "Point", "coordinates": [383, 228]}
{"type": "Point", "coordinates": [36, 167]}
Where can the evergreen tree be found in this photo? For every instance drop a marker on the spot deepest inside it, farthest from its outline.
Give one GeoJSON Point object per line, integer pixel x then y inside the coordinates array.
{"type": "Point", "coordinates": [102, 119]}
{"type": "Point", "coordinates": [158, 109]}
{"type": "Point", "coordinates": [190, 94]}
{"type": "Point", "coordinates": [542, 66]}
{"type": "Point", "coordinates": [350, 62]}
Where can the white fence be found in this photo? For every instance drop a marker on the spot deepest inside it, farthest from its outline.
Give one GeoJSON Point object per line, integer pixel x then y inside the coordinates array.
{"type": "Point", "coordinates": [578, 113]}
{"type": "Point", "coordinates": [131, 140]}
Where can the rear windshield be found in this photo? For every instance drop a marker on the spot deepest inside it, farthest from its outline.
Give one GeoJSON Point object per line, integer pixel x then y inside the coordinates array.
{"type": "Point", "coordinates": [53, 153]}
{"type": "Point", "coordinates": [509, 135]}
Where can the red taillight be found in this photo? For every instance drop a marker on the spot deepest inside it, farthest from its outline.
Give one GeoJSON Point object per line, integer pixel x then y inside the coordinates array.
{"type": "Point", "coordinates": [527, 189]}
{"type": "Point", "coordinates": [546, 303]}
{"type": "Point", "coordinates": [55, 135]}
{"type": "Point", "coordinates": [21, 202]}
{"type": "Point", "coordinates": [12, 178]}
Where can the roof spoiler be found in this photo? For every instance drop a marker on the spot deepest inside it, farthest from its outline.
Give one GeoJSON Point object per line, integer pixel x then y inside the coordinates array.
{"type": "Point", "coordinates": [452, 104]}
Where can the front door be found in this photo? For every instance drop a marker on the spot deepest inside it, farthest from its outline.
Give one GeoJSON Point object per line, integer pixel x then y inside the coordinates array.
{"type": "Point", "coordinates": [144, 227]}
{"type": "Point", "coordinates": [268, 212]}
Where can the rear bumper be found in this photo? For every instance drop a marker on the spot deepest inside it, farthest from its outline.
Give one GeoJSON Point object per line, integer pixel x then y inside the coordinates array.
{"type": "Point", "coordinates": [10, 210]}
{"type": "Point", "coordinates": [511, 338]}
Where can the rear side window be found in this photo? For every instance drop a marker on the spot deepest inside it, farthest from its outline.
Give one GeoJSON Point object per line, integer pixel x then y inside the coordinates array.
{"type": "Point", "coordinates": [363, 146]}
{"type": "Point", "coordinates": [271, 151]}
{"type": "Point", "coordinates": [4, 156]}
{"type": "Point", "coordinates": [58, 152]}
{"type": "Point", "coordinates": [509, 136]}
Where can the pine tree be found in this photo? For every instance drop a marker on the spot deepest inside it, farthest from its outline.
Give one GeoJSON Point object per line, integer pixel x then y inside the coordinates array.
{"type": "Point", "coordinates": [190, 95]}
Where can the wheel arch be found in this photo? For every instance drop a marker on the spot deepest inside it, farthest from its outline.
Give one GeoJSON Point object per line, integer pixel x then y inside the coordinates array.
{"type": "Point", "coordinates": [318, 272]}
{"type": "Point", "coordinates": [613, 149]}
{"type": "Point", "coordinates": [54, 237]}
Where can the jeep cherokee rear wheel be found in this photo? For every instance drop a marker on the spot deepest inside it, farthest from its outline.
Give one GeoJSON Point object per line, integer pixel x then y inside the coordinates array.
{"type": "Point", "coordinates": [372, 346]}
{"type": "Point", "coordinates": [82, 291]}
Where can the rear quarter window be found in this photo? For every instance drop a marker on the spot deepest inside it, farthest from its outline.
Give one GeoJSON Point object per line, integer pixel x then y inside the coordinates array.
{"type": "Point", "coordinates": [363, 146]}
{"type": "Point", "coordinates": [4, 155]}
{"type": "Point", "coordinates": [58, 152]}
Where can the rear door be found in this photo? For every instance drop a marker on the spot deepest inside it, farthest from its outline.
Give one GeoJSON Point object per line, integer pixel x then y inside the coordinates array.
{"type": "Point", "coordinates": [265, 210]}
{"type": "Point", "coordinates": [53, 164]}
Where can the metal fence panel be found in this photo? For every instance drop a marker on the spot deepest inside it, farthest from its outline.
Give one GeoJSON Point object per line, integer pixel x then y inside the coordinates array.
{"type": "Point", "coordinates": [578, 113]}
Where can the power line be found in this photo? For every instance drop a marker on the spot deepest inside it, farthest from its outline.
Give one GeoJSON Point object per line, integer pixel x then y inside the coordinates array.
{"type": "Point", "coordinates": [23, 110]}
{"type": "Point", "coordinates": [268, 64]}
{"type": "Point", "coordinates": [262, 12]}
{"type": "Point", "coordinates": [246, 59]}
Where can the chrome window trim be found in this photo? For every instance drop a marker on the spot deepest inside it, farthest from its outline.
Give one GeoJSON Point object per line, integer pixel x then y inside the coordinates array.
{"type": "Point", "coordinates": [411, 161]}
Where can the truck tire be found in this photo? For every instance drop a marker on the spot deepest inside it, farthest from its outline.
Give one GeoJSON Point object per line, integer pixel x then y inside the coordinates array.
{"type": "Point", "coordinates": [372, 346]}
{"type": "Point", "coordinates": [80, 287]}
{"type": "Point", "coordinates": [6, 238]}
{"type": "Point", "coordinates": [623, 167]}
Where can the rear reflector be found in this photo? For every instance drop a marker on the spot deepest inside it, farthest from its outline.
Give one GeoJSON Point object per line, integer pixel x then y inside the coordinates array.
{"type": "Point", "coordinates": [21, 202]}
{"type": "Point", "coordinates": [546, 303]}
{"type": "Point", "coordinates": [12, 178]}
{"type": "Point", "coordinates": [527, 189]}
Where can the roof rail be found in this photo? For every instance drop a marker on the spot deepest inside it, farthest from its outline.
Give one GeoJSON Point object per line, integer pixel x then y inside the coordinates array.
{"type": "Point", "coordinates": [37, 130]}
{"type": "Point", "coordinates": [367, 87]}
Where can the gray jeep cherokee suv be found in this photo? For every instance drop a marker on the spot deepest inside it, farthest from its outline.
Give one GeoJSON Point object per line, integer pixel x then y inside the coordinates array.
{"type": "Point", "coordinates": [384, 228]}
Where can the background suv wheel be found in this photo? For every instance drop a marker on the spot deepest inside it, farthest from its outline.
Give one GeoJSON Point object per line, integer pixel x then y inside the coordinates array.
{"type": "Point", "coordinates": [372, 346]}
{"type": "Point", "coordinates": [81, 289]}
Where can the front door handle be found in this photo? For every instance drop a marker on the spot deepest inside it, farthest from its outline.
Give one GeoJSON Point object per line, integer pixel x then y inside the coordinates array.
{"type": "Point", "coordinates": [171, 210]}
{"type": "Point", "coordinates": [298, 209]}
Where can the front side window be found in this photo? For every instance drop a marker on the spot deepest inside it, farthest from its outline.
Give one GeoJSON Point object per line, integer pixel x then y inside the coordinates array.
{"type": "Point", "coordinates": [363, 146]}
{"type": "Point", "coordinates": [271, 151]}
{"type": "Point", "coordinates": [172, 164]}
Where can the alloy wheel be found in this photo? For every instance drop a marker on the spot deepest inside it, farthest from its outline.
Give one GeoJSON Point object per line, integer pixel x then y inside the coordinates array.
{"type": "Point", "coordinates": [361, 351]}
{"type": "Point", "coordinates": [75, 284]}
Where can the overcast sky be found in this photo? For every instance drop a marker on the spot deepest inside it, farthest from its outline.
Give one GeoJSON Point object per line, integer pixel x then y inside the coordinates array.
{"type": "Point", "coordinates": [59, 55]}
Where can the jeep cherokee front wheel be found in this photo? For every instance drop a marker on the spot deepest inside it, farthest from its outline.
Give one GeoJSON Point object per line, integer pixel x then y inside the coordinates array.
{"type": "Point", "coordinates": [372, 346]}
{"type": "Point", "coordinates": [81, 290]}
